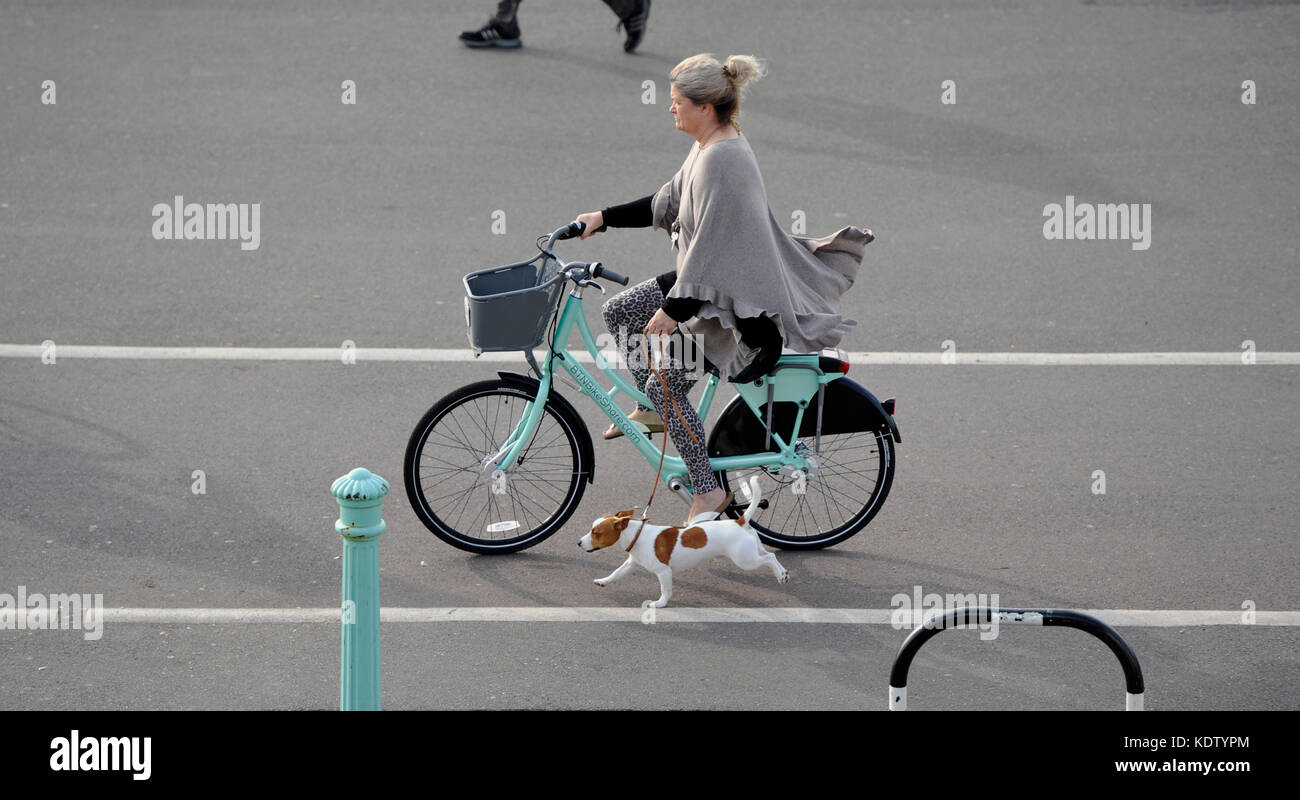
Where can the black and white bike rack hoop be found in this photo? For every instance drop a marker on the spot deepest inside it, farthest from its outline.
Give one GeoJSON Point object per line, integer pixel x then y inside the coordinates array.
{"type": "Point", "coordinates": [971, 617]}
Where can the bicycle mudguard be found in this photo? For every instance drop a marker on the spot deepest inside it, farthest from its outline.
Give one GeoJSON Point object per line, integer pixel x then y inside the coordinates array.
{"type": "Point", "coordinates": [848, 408]}
{"type": "Point", "coordinates": [531, 384]}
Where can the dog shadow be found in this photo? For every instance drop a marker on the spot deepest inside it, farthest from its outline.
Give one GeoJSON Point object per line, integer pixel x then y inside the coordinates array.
{"type": "Point", "coordinates": [719, 583]}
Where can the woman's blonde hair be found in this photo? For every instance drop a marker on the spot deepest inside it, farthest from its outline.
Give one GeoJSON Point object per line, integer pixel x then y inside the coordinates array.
{"type": "Point", "coordinates": [703, 79]}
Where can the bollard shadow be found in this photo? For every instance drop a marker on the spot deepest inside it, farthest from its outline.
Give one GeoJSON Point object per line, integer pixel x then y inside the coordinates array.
{"type": "Point", "coordinates": [94, 508]}
{"type": "Point", "coordinates": [87, 441]}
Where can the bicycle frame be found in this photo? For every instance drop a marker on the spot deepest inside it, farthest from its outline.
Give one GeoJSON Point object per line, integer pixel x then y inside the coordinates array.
{"type": "Point", "coordinates": [674, 469]}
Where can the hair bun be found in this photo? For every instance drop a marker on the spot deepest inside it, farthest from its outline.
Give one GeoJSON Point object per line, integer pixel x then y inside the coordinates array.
{"type": "Point", "coordinates": [744, 69]}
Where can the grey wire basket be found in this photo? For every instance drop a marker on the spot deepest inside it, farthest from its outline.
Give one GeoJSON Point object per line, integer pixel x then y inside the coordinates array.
{"type": "Point", "coordinates": [508, 308]}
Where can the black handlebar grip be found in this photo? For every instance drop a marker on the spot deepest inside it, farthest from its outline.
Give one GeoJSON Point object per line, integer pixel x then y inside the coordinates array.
{"type": "Point", "coordinates": [578, 228]}
{"type": "Point", "coordinates": [599, 270]}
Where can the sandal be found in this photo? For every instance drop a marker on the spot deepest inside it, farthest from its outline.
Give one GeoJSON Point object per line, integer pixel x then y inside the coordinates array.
{"type": "Point", "coordinates": [648, 422]}
{"type": "Point", "coordinates": [717, 513]}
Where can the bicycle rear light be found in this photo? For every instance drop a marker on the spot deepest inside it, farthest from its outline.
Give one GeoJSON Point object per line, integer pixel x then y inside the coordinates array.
{"type": "Point", "coordinates": [834, 360]}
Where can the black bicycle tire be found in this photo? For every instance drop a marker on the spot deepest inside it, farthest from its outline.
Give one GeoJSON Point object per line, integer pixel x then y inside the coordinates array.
{"type": "Point", "coordinates": [860, 520]}
{"type": "Point", "coordinates": [459, 539]}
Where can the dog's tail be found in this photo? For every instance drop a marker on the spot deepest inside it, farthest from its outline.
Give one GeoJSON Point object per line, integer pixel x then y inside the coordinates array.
{"type": "Point", "coordinates": [754, 497]}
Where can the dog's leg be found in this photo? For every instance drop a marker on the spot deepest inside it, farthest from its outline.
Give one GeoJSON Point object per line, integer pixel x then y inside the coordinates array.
{"type": "Point", "coordinates": [665, 576]}
{"type": "Point", "coordinates": [782, 574]}
{"type": "Point", "coordinates": [616, 574]}
{"type": "Point", "coordinates": [754, 556]}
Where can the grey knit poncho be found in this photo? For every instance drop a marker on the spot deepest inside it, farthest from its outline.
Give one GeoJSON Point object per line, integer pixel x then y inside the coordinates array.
{"type": "Point", "coordinates": [732, 254]}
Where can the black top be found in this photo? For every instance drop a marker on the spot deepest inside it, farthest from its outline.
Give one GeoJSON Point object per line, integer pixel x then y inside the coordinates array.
{"type": "Point", "coordinates": [754, 331]}
{"type": "Point", "coordinates": [636, 214]}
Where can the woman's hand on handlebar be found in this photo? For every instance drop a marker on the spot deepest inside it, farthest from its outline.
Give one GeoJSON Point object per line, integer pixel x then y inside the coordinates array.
{"type": "Point", "coordinates": [593, 220]}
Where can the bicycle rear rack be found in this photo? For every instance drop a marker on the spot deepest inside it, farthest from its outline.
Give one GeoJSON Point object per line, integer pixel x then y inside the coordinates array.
{"type": "Point", "coordinates": [768, 381]}
{"type": "Point", "coordinates": [971, 617]}
{"type": "Point", "coordinates": [771, 402]}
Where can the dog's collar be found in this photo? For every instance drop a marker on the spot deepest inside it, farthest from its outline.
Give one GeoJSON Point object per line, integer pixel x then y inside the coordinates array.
{"type": "Point", "coordinates": [634, 538]}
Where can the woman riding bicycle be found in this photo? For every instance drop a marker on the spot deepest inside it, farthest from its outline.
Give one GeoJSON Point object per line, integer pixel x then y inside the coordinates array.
{"type": "Point", "coordinates": [742, 287]}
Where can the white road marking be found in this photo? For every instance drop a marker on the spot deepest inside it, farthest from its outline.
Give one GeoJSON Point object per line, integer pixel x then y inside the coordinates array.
{"type": "Point", "coordinates": [854, 616]}
{"type": "Point", "coordinates": [363, 354]}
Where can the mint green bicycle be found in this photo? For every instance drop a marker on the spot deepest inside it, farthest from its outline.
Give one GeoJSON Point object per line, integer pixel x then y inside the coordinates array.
{"type": "Point", "coordinates": [499, 465]}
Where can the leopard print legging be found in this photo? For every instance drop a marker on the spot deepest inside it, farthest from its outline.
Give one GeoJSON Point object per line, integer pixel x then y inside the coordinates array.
{"type": "Point", "coordinates": [626, 315]}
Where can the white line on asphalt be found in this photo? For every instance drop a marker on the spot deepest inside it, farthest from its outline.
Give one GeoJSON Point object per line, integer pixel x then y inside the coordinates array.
{"type": "Point", "coordinates": [363, 354]}
{"type": "Point", "coordinates": [855, 616]}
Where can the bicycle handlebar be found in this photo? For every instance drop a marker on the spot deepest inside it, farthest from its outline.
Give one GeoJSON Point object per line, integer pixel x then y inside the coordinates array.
{"type": "Point", "coordinates": [598, 270]}
{"type": "Point", "coordinates": [569, 231]}
{"type": "Point", "coordinates": [573, 229]}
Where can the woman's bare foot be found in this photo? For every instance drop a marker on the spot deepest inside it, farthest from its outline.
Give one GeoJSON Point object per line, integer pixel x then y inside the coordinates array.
{"type": "Point", "coordinates": [709, 501]}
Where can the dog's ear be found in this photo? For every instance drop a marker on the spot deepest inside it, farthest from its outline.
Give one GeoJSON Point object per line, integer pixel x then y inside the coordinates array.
{"type": "Point", "coordinates": [607, 531]}
{"type": "Point", "coordinates": [626, 513]}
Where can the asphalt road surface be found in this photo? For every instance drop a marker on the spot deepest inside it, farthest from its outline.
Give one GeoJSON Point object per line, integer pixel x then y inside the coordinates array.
{"type": "Point", "coordinates": [948, 128]}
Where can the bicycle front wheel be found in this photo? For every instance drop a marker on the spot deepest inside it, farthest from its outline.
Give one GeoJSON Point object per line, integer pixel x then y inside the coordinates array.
{"type": "Point", "coordinates": [842, 492]}
{"type": "Point", "coordinates": [480, 510]}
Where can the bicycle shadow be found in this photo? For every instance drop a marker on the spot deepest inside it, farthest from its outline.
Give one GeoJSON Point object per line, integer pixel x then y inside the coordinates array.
{"type": "Point", "coordinates": [497, 572]}
{"type": "Point", "coordinates": [721, 584]}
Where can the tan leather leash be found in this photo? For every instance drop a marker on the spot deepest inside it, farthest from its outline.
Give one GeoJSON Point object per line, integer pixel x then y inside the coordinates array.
{"type": "Point", "coordinates": [663, 451]}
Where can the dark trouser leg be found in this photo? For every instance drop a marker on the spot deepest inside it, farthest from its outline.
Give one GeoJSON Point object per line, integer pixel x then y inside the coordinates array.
{"type": "Point", "coordinates": [621, 8]}
{"type": "Point", "coordinates": [506, 11]}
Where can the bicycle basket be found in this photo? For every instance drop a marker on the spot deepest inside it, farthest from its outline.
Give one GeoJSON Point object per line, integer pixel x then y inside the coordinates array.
{"type": "Point", "coordinates": [508, 308]}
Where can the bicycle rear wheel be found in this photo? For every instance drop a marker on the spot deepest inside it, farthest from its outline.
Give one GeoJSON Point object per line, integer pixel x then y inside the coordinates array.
{"type": "Point", "coordinates": [479, 511]}
{"type": "Point", "coordinates": [846, 488]}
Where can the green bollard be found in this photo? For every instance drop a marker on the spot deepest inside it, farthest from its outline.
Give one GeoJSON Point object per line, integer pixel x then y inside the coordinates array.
{"type": "Point", "coordinates": [360, 494]}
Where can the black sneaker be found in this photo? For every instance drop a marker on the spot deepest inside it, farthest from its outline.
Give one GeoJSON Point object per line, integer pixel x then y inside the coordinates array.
{"type": "Point", "coordinates": [634, 24]}
{"type": "Point", "coordinates": [493, 34]}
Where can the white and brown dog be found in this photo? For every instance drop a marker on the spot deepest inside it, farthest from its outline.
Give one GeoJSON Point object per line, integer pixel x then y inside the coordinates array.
{"type": "Point", "coordinates": [661, 550]}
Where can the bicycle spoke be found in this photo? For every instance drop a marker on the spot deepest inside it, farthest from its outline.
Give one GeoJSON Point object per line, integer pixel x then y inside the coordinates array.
{"type": "Point", "coordinates": [450, 465]}
{"type": "Point", "coordinates": [496, 416]}
{"type": "Point", "coordinates": [458, 507]}
{"type": "Point", "coordinates": [474, 527]}
{"type": "Point", "coordinates": [851, 483]}
{"type": "Point", "coordinates": [798, 506]}
{"type": "Point", "coordinates": [487, 434]}
{"type": "Point", "coordinates": [794, 506]}
{"type": "Point", "coordinates": [437, 476]}
{"type": "Point", "coordinates": [453, 493]}
{"type": "Point", "coordinates": [827, 497]}
{"type": "Point", "coordinates": [537, 484]}
{"type": "Point", "coordinates": [538, 508]}
{"type": "Point", "coordinates": [463, 438]}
